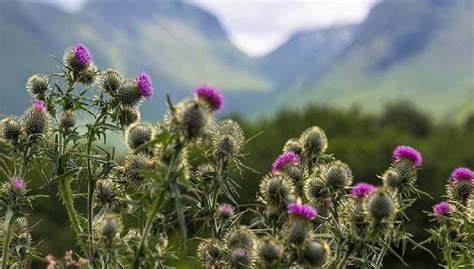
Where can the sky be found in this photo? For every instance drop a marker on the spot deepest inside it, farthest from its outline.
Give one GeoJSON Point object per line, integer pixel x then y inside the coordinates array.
{"type": "Point", "coordinates": [258, 26]}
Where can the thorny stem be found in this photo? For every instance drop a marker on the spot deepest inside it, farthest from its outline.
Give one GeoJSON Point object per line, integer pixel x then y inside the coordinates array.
{"type": "Point", "coordinates": [8, 229]}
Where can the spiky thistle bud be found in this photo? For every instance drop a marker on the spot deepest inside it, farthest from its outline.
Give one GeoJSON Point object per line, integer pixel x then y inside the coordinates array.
{"type": "Point", "coordinates": [110, 81]}
{"type": "Point", "coordinates": [316, 253]}
{"type": "Point", "coordinates": [337, 175]}
{"type": "Point", "coordinates": [276, 189]}
{"type": "Point", "coordinates": [314, 142]}
{"type": "Point", "coordinates": [206, 172]}
{"type": "Point", "coordinates": [129, 94]}
{"type": "Point", "coordinates": [269, 250]}
{"type": "Point", "coordinates": [37, 85]}
{"type": "Point", "coordinates": [227, 139]}
{"type": "Point", "coordinates": [106, 192]}
{"type": "Point", "coordinates": [315, 188]}
{"type": "Point", "coordinates": [35, 120]}
{"type": "Point", "coordinates": [392, 179]}
{"type": "Point", "coordinates": [210, 96]}
{"type": "Point", "coordinates": [293, 145]}
{"type": "Point", "coordinates": [210, 252]}
{"type": "Point", "coordinates": [109, 228]}
{"type": "Point", "coordinates": [78, 57]}
{"type": "Point", "coordinates": [190, 119]}
{"type": "Point", "coordinates": [129, 115]}
{"type": "Point", "coordinates": [67, 119]}
{"type": "Point", "coordinates": [241, 258]}
{"type": "Point", "coordinates": [297, 232]}
{"type": "Point", "coordinates": [138, 134]}
{"type": "Point", "coordinates": [133, 167]}
{"type": "Point", "coordinates": [89, 75]}
{"type": "Point", "coordinates": [381, 205]}
{"type": "Point", "coordinates": [226, 211]}
{"type": "Point", "coordinates": [10, 129]}
{"type": "Point", "coordinates": [240, 237]}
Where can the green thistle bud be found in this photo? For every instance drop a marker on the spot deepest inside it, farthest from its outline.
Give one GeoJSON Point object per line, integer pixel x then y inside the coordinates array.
{"type": "Point", "coordinates": [313, 141]}
{"type": "Point", "coordinates": [206, 173]}
{"type": "Point", "coordinates": [129, 94]}
{"type": "Point", "coordinates": [67, 119]}
{"type": "Point", "coordinates": [316, 253]}
{"type": "Point", "coordinates": [406, 172]}
{"type": "Point", "coordinates": [381, 205]}
{"type": "Point", "coordinates": [240, 237]}
{"type": "Point", "coordinates": [276, 189]}
{"type": "Point", "coordinates": [297, 233]}
{"type": "Point", "coordinates": [110, 81]}
{"type": "Point", "coordinates": [35, 122]}
{"type": "Point", "coordinates": [460, 190]}
{"type": "Point", "coordinates": [129, 115]}
{"type": "Point", "coordinates": [315, 188]}
{"type": "Point", "coordinates": [37, 85]}
{"type": "Point", "coordinates": [10, 129]}
{"type": "Point", "coordinates": [241, 258]}
{"type": "Point", "coordinates": [337, 175]}
{"type": "Point", "coordinates": [323, 205]}
{"type": "Point", "coordinates": [358, 216]}
{"type": "Point", "coordinates": [133, 166]}
{"type": "Point", "coordinates": [138, 134]}
{"type": "Point", "coordinates": [210, 252]}
{"type": "Point", "coordinates": [190, 119]}
{"type": "Point", "coordinates": [392, 179]}
{"type": "Point", "coordinates": [106, 191]}
{"type": "Point", "coordinates": [227, 139]}
{"type": "Point", "coordinates": [269, 250]}
{"type": "Point", "coordinates": [88, 76]}
{"type": "Point", "coordinates": [293, 145]}
{"type": "Point", "coordinates": [109, 228]}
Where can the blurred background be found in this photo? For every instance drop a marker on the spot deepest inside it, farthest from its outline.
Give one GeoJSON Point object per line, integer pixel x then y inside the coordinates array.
{"type": "Point", "coordinates": [373, 74]}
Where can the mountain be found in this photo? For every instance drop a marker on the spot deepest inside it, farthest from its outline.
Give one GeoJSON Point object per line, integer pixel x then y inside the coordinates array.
{"type": "Point", "coordinates": [420, 51]}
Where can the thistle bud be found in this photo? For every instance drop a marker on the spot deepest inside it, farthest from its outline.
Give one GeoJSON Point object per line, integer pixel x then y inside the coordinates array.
{"type": "Point", "coordinates": [313, 141]}
{"type": "Point", "coordinates": [133, 166]}
{"type": "Point", "coordinates": [105, 192]}
{"type": "Point", "coordinates": [37, 85]}
{"type": "Point", "coordinates": [460, 190]}
{"type": "Point", "coordinates": [297, 233]}
{"type": "Point", "coordinates": [10, 129]}
{"type": "Point", "coordinates": [241, 258]}
{"type": "Point", "coordinates": [293, 145]}
{"type": "Point", "coordinates": [276, 189]}
{"type": "Point", "coordinates": [337, 175]}
{"type": "Point", "coordinates": [129, 115]}
{"type": "Point", "coordinates": [109, 229]}
{"type": "Point", "coordinates": [210, 252]}
{"type": "Point", "coordinates": [269, 250]}
{"type": "Point", "coordinates": [316, 253]}
{"type": "Point", "coordinates": [315, 188]}
{"type": "Point", "coordinates": [240, 237]}
{"type": "Point", "coordinates": [77, 57]}
{"type": "Point", "coordinates": [128, 94]}
{"type": "Point", "coordinates": [190, 119]}
{"type": "Point", "coordinates": [392, 179]}
{"type": "Point", "coordinates": [138, 134]}
{"type": "Point", "coordinates": [381, 205]}
{"type": "Point", "coordinates": [206, 173]}
{"type": "Point", "coordinates": [67, 119]}
{"type": "Point", "coordinates": [442, 208]}
{"type": "Point", "coordinates": [227, 139]}
{"type": "Point", "coordinates": [18, 185]}
{"type": "Point", "coordinates": [88, 76]}
{"type": "Point", "coordinates": [35, 120]}
{"type": "Point", "coordinates": [110, 81]}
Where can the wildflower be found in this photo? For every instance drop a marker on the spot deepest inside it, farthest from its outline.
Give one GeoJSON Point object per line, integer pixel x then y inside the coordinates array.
{"type": "Point", "coordinates": [337, 175]}
{"type": "Point", "coordinates": [35, 120]}
{"type": "Point", "coordinates": [316, 253]}
{"type": "Point", "coordinates": [138, 134]}
{"type": "Point", "coordinates": [276, 189]}
{"type": "Point", "coordinates": [287, 158]}
{"type": "Point", "coordinates": [269, 250]}
{"type": "Point", "coordinates": [227, 139]}
{"type": "Point", "coordinates": [111, 80]}
{"type": "Point", "coordinates": [462, 173]}
{"type": "Point", "coordinates": [144, 84]}
{"type": "Point", "coordinates": [190, 120]}
{"type": "Point", "coordinates": [313, 141]}
{"type": "Point", "coordinates": [39, 106]}
{"type": "Point", "coordinates": [408, 153]}
{"type": "Point", "coordinates": [226, 210]}
{"type": "Point", "coordinates": [10, 129]}
{"type": "Point", "coordinates": [362, 189]}
{"type": "Point", "coordinates": [381, 205]}
{"type": "Point", "coordinates": [241, 258]}
{"type": "Point", "coordinates": [82, 54]}
{"type": "Point", "coordinates": [210, 96]}
{"type": "Point", "coordinates": [78, 57]}
{"type": "Point", "coordinates": [293, 145]}
{"type": "Point", "coordinates": [442, 208]}
{"type": "Point", "coordinates": [18, 184]}
{"type": "Point", "coordinates": [37, 85]}
{"type": "Point", "coordinates": [302, 210]}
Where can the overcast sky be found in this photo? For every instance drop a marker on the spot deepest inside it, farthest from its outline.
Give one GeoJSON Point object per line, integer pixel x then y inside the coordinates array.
{"type": "Point", "coordinates": [258, 26]}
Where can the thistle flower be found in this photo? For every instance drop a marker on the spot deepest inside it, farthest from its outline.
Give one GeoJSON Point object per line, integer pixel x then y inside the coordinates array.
{"type": "Point", "coordinates": [462, 173]}
{"type": "Point", "coordinates": [210, 252]}
{"type": "Point", "coordinates": [37, 85]}
{"type": "Point", "coordinates": [293, 145]}
{"type": "Point", "coordinates": [302, 210]}
{"type": "Point", "coordinates": [35, 120]}
{"type": "Point", "coordinates": [241, 258]}
{"type": "Point", "coordinates": [39, 105]}
{"type": "Point", "coordinates": [297, 233]}
{"type": "Point", "coordinates": [362, 189]}
{"type": "Point", "coordinates": [381, 205]}
{"type": "Point", "coordinates": [10, 129]}
{"type": "Point", "coordinates": [276, 189]}
{"type": "Point", "coordinates": [88, 76]}
{"type": "Point", "coordinates": [18, 184]}
{"type": "Point", "coordinates": [408, 153]}
{"type": "Point", "coordinates": [269, 250]}
{"type": "Point", "coordinates": [133, 166]}
{"type": "Point", "coordinates": [138, 134]}
{"type": "Point", "coordinates": [128, 94]}
{"type": "Point", "coordinates": [210, 96]}
{"type": "Point", "coordinates": [313, 141]}
{"type": "Point", "coordinates": [67, 119]}
{"type": "Point", "coordinates": [442, 208]}
{"type": "Point", "coordinates": [287, 158]}
{"type": "Point", "coordinates": [78, 57]}
{"type": "Point", "coordinates": [227, 139]}
{"type": "Point", "coordinates": [129, 115]}
{"type": "Point", "coordinates": [226, 211]}
{"type": "Point", "coordinates": [190, 120]}
{"type": "Point", "coordinates": [144, 84]}
{"type": "Point", "coordinates": [316, 253]}
{"type": "Point", "coordinates": [111, 80]}
{"type": "Point", "coordinates": [337, 175]}
{"type": "Point", "coordinates": [240, 237]}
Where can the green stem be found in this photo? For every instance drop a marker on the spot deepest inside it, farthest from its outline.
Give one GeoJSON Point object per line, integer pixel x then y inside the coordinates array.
{"type": "Point", "coordinates": [7, 236]}
{"type": "Point", "coordinates": [380, 257]}
{"type": "Point", "coordinates": [342, 263]}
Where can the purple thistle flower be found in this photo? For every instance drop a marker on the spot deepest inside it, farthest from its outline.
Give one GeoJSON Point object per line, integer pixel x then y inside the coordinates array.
{"type": "Point", "coordinates": [226, 210]}
{"type": "Point", "coordinates": [362, 189]}
{"type": "Point", "coordinates": [18, 183]}
{"type": "Point", "coordinates": [462, 173]}
{"type": "Point", "coordinates": [144, 84]}
{"type": "Point", "coordinates": [302, 210]}
{"type": "Point", "coordinates": [210, 95]}
{"type": "Point", "coordinates": [240, 252]}
{"type": "Point", "coordinates": [407, 152]}
{"type": "Point", "coordinates": [82, 54]}
{"type": "Point", "coordinates": [442, 208]}
{"type": "Point", "coordinates": [39, 105]}
{"type": "Point", "coordinates": [284, 159]}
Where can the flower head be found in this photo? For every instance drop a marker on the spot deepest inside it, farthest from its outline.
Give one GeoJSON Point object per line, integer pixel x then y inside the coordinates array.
{"type": "Point", "coordinates": [302, 210]}
{"type": "Point", "coordinates": [226, 210]}
{"type": "Point", "coordinates": [362, 189]}
{"type": "Point", "coordinates": [462, 173]}
{"type": "Point", "coordinates": [82, 54]}
{"type": "Point", "coordinates": [18, 183]}
{"type": "Point", "coordinates": [210, 95]}
{"type": "Point", "coordinates": [407, 152]}
{"type": "Point", "coordinates": [442, 208]}
{"type": "Point", "coordinates": [39, 105]}
{"type": "Point", "coordinates": [285, 159]}
{"type": "Point", "coordinates": [144, 84]}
